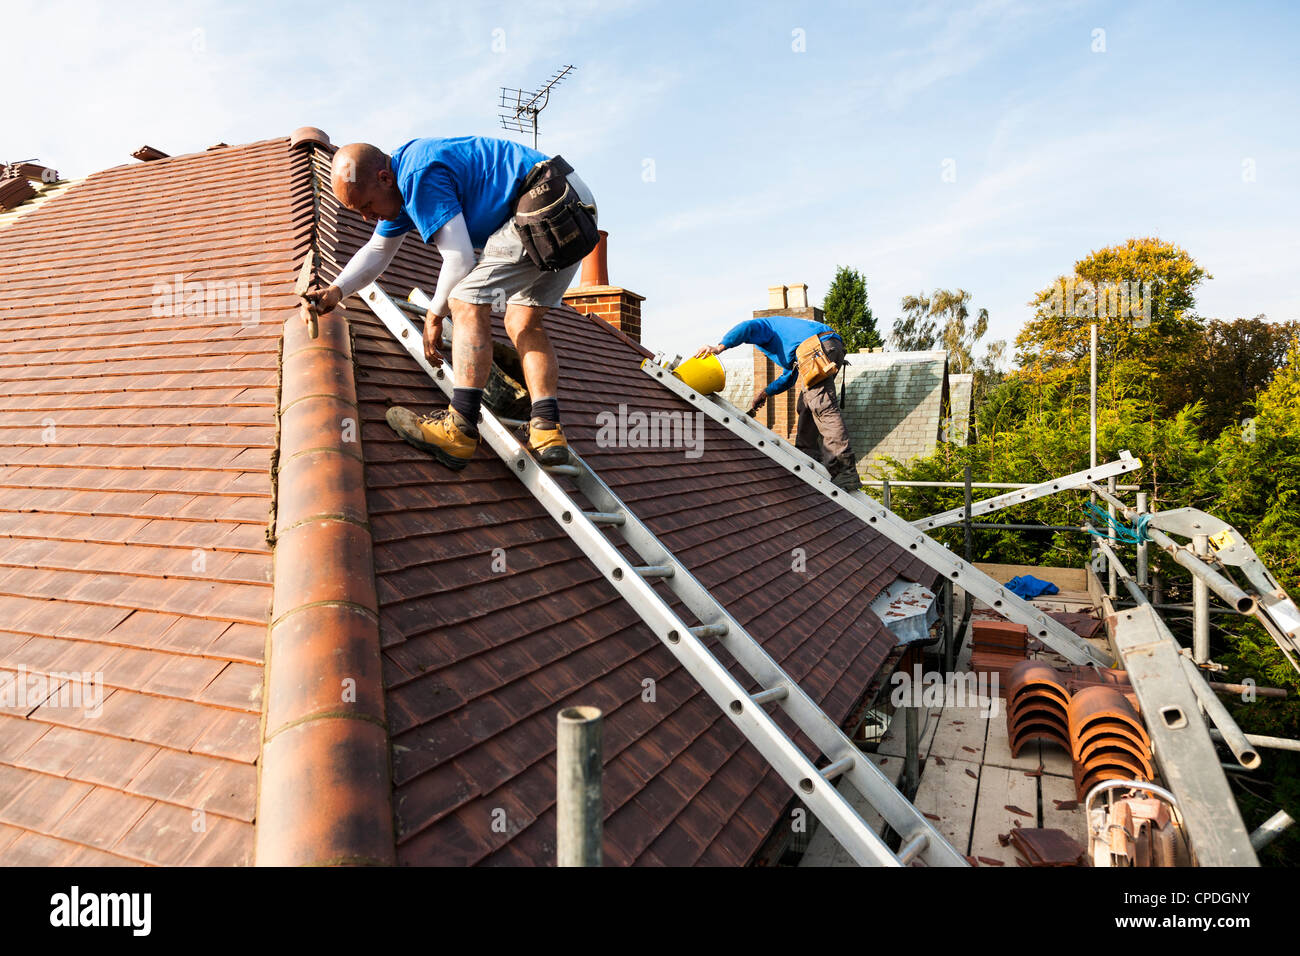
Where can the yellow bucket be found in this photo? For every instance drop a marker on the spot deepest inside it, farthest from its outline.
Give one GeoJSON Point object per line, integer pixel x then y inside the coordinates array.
{"type": "Point", "coordinates": [705, 375]}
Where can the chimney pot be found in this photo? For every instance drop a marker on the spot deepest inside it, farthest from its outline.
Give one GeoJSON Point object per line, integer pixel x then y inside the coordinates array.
{"type": "Point", "coordinates": [776, 297]}
{"type": "Point", "coordinates": [595, 267]}
{"type": "Point", "coordinates": [797, 296]}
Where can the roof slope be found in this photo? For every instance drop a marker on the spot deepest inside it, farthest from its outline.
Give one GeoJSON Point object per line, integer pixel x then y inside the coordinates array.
{"type": "Point", "coordinates": [136, 442]}
{"type": "Point", "coordinates": [893, 405]}
{"type": "Point", "coordinates": [139, 443]}
{"type": "Point", "coordinates": [477, 661]}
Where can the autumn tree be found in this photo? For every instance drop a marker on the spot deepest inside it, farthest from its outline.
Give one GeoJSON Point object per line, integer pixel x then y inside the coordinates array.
{"type": "Point", "coordinates": [1140, 295]}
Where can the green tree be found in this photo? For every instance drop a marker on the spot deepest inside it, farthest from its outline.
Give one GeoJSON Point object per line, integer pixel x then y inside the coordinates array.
{"type": "Point", "coordinates": [849, 313]}
{"type": "Point", "coordinates": [916, 330]}
{"type": "Point", "coordinates": [1235, 361]}
{"type": "Point", "coordinates": [943, 320]}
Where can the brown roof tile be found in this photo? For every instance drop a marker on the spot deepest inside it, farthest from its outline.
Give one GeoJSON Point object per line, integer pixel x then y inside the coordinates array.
{"type": "Point", "coordinates": [135, 459]}
{"type": "Point", "coordinates": [133, 541]}
{"type": "Point", "coordinates": [478, 663]}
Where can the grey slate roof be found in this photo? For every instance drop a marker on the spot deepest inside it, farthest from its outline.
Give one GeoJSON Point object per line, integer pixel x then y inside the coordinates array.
{"type": "Point", "coordinates": [893, 405]}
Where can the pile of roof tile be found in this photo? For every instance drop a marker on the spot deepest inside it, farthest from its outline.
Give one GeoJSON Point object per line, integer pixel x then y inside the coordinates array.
{"type": "Point", "coordinates": [997, 647]}
{"type": "Point", "coordinates": [15, 190]}
{"type": "Point", "coordinates": [1047, 847]}
{"type": "Point", "coordinates": [1037, 703]}
{"type": "Point", "coordinates": [1107, 739]}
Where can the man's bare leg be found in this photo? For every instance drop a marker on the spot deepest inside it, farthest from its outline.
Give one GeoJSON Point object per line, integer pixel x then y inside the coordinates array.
{"type": "Point", "coordinates": [542, 376]}
{"type": "Point", "coordinates": [541, 370]}
{"type": "Point", "coordinates": [471, 343]}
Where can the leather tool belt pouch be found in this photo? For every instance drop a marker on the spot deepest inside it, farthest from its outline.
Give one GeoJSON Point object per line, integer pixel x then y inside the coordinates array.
{"type": "Point", "coordinates": [813, 364]}
{"type": "Point", "coordinates": [556, 228]}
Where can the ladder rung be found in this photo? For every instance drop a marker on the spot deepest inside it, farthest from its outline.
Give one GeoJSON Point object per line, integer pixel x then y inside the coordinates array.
{"type": "Point", "coordinates": [571, 470]}
{"type": "Point", "coordinates": [605, 517]}
{"type": "Point", "coordinates": [710, 630]}
{"type": "Point", "coordinates": [771, 694]}
{"type": "Point", "coordinates": [511, 422]}
{"type": "Point", "coordinates": [843, 765]}
{"type": "Point", "coordinates": [909, 850]}
{"type": "Point", "coordinates": [655, 570]}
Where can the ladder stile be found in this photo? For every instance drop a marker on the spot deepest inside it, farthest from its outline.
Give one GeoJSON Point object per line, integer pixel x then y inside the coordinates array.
{"type": "Point", "coordinates": [636, 584]}
{"type": "Point", "coordinates": [1040, 625]}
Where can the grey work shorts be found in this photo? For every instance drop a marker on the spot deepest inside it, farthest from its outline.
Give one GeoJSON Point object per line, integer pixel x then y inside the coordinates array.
{"type": "Point", "coordinates": [505, 275]}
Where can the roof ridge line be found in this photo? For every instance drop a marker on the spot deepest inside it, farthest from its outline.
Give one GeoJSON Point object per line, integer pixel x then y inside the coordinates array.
{"type": "Point", "coordinates": [325, 792]}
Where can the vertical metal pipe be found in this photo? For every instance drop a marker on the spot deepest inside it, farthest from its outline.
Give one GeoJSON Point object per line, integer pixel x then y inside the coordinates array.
{"type": "Point", "coordinates": [1157, 589]}
{"type": "Point", "coordinates": [1092, 419]}
{"type": "Point", "coordinates": [948, 629]}
{"type": "Point", "coordinates": [1111, 580]}
{"type": "Point", "coordinates": [884, 492]}
{"type": "Point", "coordinates": [1143, 556]}
{"type": "Point", "coordinates": [1200, 605]}
{"type": "Point", "coordinates": [966, 515]}
{"type": "Point", "coordinates": [1271, 829]}
{"type": "Point", "coordinates": [579, 807]}
{"type": "Point", "coordinates": [1092, 413]}
{"type": "Point", "coordinates": [912, 759]}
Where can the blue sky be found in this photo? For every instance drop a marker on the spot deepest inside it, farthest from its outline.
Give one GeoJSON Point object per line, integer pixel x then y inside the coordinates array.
{"type": "Point", "coordinates": [769, 163]}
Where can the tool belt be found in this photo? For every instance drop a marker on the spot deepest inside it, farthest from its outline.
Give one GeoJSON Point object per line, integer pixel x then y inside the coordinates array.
{"type": "Point", "coordinates": [813, 364]}
{"type": "Point", "coordinates": [556, 228]}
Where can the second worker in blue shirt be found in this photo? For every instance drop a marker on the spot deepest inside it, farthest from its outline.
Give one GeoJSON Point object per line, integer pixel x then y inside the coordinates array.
{"type": "Point", "coordinates": [811, 353]}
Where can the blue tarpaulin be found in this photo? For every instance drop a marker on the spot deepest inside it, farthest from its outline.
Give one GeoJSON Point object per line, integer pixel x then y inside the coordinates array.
{"type": "Point", "coordinates": [1027, 586]}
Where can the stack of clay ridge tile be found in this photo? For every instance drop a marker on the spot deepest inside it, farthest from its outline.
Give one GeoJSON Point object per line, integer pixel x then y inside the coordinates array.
{"type": "Point", "coordinates": [1107, 739]}
{"type": "Point", "coordinates": [997, 647]}
{"type": "Point", "coordinates": [14, 190]}
{"type": "Point", "coordinates": [1037, 705]}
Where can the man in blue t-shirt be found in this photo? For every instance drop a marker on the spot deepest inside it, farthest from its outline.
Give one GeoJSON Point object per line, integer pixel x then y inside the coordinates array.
{"type": "Point", "coordinates": [820, 431]}
{"type": "Point", "coordinates": [459, 193]}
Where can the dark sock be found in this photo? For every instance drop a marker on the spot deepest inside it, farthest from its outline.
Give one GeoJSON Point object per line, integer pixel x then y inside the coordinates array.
{"type": "Point", "coordinates": [467, 402]}
{"type": "Point", "coordinates": [547, 408]}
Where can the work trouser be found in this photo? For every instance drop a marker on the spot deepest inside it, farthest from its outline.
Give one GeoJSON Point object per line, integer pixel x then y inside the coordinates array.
{"type": "Point", "coordinates": [820, 432]}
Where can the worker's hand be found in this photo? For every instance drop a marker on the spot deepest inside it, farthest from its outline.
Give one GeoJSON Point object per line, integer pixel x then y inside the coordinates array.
{"type": "Point", "coordinates": [709, 350]}
{"type": "Point", "coordinates": [760, 399]}
{"type": "Point", "coordinates": [325, 300]}
{"type": "Point", "coordinates": [432, 336]}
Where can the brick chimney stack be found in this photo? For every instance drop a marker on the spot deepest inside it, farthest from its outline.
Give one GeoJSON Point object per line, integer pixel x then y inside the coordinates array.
{"type": "Point", "coordinates": [594, 295]}
{"type": "Point", "coordinates": [779, 413]}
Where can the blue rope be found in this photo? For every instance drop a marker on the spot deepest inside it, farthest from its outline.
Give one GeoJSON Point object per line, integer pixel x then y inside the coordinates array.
{"type": "Point", "coordinates": [1116, 528]}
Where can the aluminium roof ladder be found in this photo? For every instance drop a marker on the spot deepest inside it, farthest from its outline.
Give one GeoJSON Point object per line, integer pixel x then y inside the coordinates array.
{"type": "Point", "coordinates": [638, 583]}
{"type": "Point", "coordinates": [902, 532]}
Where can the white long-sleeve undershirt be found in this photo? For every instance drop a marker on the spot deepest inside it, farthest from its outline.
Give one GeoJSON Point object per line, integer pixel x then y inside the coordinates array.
{"type": "Point", "coordinates": [453, 244]}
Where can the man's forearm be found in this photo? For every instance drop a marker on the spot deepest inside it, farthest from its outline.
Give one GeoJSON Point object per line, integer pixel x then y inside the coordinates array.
{"type": "Point", "coordinates": [458, 261]}
{"type": "Point", "coordinates": [368, 264]}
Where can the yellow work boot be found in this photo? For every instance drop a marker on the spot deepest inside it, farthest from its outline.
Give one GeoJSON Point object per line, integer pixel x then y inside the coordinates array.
{"type": "Point", "coordinates": [546, 442]}
{"type": "Point", "coordinates": [445, 435]}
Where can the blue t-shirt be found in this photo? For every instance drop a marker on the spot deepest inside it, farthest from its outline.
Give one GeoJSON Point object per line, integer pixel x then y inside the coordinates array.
{"type": "Point", "coordinates": [471, 174]}
{"type": "Point", "coordinates": [777, 337]}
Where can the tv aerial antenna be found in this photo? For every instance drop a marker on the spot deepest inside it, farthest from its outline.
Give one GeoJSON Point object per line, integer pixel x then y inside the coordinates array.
{"type": "Point", "coordinates": [519, 108]}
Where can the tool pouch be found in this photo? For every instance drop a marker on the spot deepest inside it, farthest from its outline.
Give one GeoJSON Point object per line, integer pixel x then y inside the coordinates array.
{"type": "Point", "coordinates": [813, 364]}
{"type": "Point", "coordinates": [557, 228]}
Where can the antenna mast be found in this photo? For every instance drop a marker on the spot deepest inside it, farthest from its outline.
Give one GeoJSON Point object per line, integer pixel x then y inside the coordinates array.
{"type": "Point", "coordinates": [519, 108]}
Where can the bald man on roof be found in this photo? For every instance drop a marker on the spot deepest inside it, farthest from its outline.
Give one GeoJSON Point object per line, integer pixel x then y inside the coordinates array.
{"type": "Point", "coordinates": [467, 196]}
